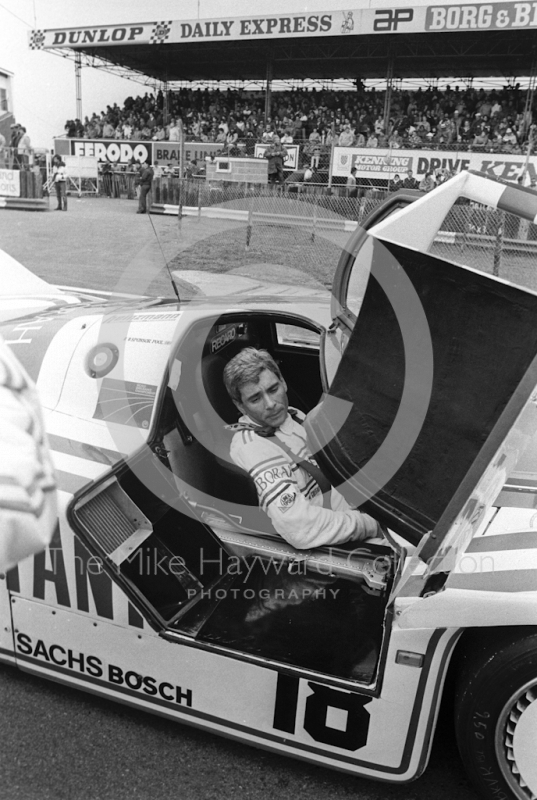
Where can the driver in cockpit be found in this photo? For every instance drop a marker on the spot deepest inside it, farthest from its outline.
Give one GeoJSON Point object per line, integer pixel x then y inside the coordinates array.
{"type": "Point", "coordinates": [270, 444]}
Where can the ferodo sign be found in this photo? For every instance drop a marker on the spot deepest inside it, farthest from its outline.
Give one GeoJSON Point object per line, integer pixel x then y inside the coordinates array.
{"type": "Point", "coordinates": [117, 152]}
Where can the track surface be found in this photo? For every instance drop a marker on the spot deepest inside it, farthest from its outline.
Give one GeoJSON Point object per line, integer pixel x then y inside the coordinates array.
{"type": "Point", "coordinates": [61, 744]}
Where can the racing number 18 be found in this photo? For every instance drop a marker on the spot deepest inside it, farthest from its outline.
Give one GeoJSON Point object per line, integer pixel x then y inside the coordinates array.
{"type": "Point", "coordinates": [351, 737]}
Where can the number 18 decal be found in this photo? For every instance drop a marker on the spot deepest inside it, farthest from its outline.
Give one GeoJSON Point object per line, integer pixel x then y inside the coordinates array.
{"type": "Point", "coordinates": [316, 713]}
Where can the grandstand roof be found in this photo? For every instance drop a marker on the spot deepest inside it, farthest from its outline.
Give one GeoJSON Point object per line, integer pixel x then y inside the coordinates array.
{"type": "Point", "coordinates": [493, 39]}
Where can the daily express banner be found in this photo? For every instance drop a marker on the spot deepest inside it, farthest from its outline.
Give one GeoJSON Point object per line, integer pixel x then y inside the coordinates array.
{"type": "Point", "coordinates": [445, 17]}
{"type": "Point", "coordinates": [382, 164]}
{"type": "Point", "coordinates": [319, 23]}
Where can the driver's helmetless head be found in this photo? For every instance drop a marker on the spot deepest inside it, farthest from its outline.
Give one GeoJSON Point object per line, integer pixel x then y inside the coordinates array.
{"type": "Point", "coordinates": [256, 386]}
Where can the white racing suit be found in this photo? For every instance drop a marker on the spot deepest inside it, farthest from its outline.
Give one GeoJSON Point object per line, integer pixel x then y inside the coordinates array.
{"type": "Point", "coordinates": [290, 495]}
{"type": "Point", "coordinates": [27, 488]}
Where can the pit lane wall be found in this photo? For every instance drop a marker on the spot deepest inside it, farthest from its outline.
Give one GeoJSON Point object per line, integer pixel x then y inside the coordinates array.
{"type": "Point", "coordinates": [376, 166]}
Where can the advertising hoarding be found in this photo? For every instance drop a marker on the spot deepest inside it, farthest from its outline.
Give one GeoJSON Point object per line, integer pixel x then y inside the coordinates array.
{"type": "Point", "coordinates": [10, 185]}
{"type": "Point", "coordinates": [383, 164]}
{"type": "Point", "coordinates": [291, 164]}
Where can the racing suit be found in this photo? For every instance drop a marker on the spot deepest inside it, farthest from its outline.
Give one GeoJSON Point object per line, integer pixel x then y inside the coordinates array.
{"type": "Point", "coordinates": [27, 487]}
{"type": "Point", "coordinates": [289, 494]}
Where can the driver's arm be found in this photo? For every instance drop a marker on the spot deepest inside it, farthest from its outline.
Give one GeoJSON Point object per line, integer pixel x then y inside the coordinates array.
{"type": "Point", "coordinates": [296, 510]}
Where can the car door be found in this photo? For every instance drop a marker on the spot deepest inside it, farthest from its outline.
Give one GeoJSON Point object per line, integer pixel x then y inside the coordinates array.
{"type": "Point", "coordinates": [435, 366]}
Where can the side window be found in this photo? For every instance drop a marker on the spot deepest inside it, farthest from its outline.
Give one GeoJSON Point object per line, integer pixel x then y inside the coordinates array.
{"type": "Point", "coordinates": [295, 336]}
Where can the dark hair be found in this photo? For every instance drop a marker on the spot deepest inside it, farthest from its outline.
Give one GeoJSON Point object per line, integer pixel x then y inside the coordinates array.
{"type": "Point", "coordinates": [246, 367]}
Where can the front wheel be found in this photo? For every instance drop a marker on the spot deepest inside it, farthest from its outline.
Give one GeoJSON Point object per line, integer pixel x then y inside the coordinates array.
{"type": "Point", "coordinates": [496, 713]}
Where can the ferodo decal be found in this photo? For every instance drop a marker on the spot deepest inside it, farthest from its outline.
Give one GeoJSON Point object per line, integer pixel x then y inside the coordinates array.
{"type": "Point", "coordinates": [125, 402]}
{"type": "Point", "coordinates": [95, 667]}
{"type": "Point", "coordinates": [223, 338]}
{"type": "Point", "coordinates": [331, 716]}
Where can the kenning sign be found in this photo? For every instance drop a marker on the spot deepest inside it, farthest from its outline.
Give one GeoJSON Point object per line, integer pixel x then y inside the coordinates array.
{"type": "Point", "coordinates": [383, 164]}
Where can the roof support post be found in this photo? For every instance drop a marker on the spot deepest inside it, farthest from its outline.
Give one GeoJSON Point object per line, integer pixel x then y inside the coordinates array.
{"type": "Point", "coordinates": [389, 86]}
{"type": "Point", "coordinates": [165, 107]}
{"type": "Point", "coordinates": [268, 90]}
{"type": "Point", "coordinates": [528, 116]}
{"type": "Point", "coordinates": [78, 83]}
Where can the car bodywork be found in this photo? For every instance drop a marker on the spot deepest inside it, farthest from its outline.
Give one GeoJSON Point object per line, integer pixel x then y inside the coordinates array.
{"type": "Point", "coordinates": [165, 586]}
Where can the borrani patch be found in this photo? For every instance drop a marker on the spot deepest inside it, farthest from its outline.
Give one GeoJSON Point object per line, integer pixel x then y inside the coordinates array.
{"type": "Point", "coordinates": [286, 500]}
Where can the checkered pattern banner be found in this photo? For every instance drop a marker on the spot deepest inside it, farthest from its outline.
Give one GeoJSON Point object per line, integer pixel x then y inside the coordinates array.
{"type": "Point", "coordinates": [160, 32]}
{"type": "Point", "coordinates": [37, 40]}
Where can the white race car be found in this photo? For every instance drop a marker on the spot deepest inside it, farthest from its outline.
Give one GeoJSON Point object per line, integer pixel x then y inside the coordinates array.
{"type": "Point", "coordinates": [165, 586]}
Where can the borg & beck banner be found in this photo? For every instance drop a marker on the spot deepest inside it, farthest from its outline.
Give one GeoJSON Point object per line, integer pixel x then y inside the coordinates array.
{"type": "Point", "coordinates": [481, 16]}
{"type": "Point", "coordinates": [383, 164]}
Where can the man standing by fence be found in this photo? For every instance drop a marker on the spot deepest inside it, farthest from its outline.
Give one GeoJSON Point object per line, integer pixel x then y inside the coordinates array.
{"type": "Point", "coordinates": [145, 182]}
{"type": "Point", "coordinates": [276, 154]}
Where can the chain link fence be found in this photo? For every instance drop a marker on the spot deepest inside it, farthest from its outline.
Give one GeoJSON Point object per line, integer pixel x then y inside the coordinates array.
{"type": "Point", "coordinates": [489, 240]}
{"type": "Point", "coordinates": [307, 229]}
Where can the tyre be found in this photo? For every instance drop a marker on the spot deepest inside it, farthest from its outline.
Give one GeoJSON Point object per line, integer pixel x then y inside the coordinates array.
{"type": "Point", "coordinates": [496, 712]}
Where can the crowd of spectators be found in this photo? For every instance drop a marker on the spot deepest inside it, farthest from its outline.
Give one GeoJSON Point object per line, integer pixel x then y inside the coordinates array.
{"type": "Point", "coordinates": [462, 118]}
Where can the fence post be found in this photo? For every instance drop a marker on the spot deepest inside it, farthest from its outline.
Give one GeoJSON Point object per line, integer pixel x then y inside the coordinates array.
{"type": "Point", "coordinates": [180, 203]}
{"type": "Point", "coordinates": [250, 217]}
{"type": "Point", "coordinates": [199, 201]}
{"type": "Point", "coordinates": [314, 229]}
{"type": "Point", "coordinates": [498, 245]}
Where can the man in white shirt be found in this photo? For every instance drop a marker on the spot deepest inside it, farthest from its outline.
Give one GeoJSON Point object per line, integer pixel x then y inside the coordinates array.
{"type": "Point", "coordinates": [174, 134]}
{"type": "Point", "coordinates": [270, 444]}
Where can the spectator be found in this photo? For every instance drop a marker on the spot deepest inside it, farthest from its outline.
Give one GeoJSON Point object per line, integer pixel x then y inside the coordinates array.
{"type": "Point", "coordinates": [108, 130]}
{"type": "Point", "coordinates": [427, 183]}
{"type": "Point", "coordinates": [174, 133]}
{"type": "Point", "coordinates": [352, 189]}
{"type": "Point", "coordinates": [59, 172]}
{"type": "Point", "coordinates": [16, 133]}
{"type": "Point", "coordinates": [276, 155]}
{"type": "Point", "coordinates": [396, 183]}
{"type": "Point", "coordinates": [346, 137]}
{"type": "Point", "coordinates": [145, 182]}
{"type": "Point", "coordinates": [410, 182]}
{"type": "Point", "coordinates": [24, 148]}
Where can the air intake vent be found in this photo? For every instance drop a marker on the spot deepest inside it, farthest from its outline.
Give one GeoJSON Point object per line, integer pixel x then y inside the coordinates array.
{"type": "Point", "coordinates": [114, 522]}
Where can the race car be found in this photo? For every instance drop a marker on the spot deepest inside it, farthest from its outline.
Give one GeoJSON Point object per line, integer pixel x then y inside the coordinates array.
{"type": "Point", "coordinates": [166, 587]}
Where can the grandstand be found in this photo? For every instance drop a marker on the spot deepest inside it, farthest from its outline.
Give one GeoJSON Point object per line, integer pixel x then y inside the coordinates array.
{"type": "Point", "coordinates": [425, 42]}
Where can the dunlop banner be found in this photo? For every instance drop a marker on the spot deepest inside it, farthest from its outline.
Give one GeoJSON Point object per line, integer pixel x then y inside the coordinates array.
{"type": "Point", "coordinates": [356, 21]}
